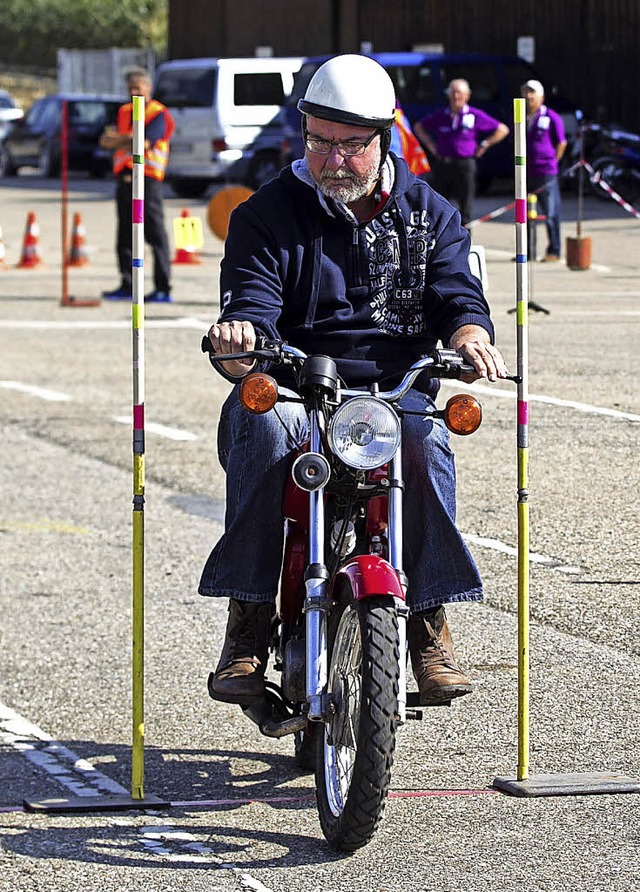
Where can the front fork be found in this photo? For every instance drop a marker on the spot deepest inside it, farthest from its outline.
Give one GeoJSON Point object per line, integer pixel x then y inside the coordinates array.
{"type": "Point", "coordinates": [316, 604]}
{"type": "Point", "coordinates": [395, 539]}
{"type": "Point", "coordinates": [316, 585]}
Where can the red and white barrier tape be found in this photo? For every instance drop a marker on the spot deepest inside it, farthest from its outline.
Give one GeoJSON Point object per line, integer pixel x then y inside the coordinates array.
{"type": "Point", "coordinates": [595, 178]}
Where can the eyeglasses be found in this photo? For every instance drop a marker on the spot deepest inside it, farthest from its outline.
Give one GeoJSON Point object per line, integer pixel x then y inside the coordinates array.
{"type": "Point", "coordinates": [347, 149]}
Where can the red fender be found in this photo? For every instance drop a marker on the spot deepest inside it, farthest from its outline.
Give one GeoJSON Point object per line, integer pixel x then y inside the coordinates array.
{"type": "Point", "coordinates": [370, 576]}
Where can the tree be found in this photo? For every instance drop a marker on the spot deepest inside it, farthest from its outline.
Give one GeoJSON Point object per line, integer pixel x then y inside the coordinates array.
{"type": "Point", "coordinates": [31, 31]}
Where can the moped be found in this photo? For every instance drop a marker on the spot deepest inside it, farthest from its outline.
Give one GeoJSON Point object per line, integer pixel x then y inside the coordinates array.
{"type": "Point", "coordinates": [338, 637]}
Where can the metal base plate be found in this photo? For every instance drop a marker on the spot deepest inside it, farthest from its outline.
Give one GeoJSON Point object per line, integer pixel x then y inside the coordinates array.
{"type": "Point", "coordinates": [95, 803]}
{"type": "Point", "coordinates": [579, 784]}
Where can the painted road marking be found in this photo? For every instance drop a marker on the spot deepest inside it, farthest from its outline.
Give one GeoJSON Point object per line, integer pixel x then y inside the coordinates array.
{"type": "Point", "coordinates": [187, 322]}
{"type": "Point", "coordinates": [171, 433]}
{"type": "Point", "coordinates": [490, 390]}
{"type": "Point", "coordinates": [43, 525]}
{"type": "Point", "coordinates": [42, 392]}
{"type": "Point", "coordinates": [497, 545]}
{"type": "Point", "coordinates": [64, 766]}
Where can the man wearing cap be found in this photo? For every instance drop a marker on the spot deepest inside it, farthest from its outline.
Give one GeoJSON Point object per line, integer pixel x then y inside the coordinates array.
{"type": "Point", "coordinates": [546, 144]}
{"type": "Point", "coordinates": [455, 137]}
{"type": "Point", "coordinates": [348, 254]}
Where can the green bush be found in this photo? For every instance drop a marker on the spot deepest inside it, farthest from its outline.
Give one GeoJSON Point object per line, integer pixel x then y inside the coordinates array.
{"type": "Point", "coordinates": [31, 31]}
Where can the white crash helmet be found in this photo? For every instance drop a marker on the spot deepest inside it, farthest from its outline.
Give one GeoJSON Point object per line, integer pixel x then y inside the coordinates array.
{"type": "Point", "coordinates": [351, 89]}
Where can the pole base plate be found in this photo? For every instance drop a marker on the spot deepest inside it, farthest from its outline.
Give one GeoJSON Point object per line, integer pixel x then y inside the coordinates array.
{"type": "Point", "coordinates": [579, 784]}
{"type": "Point", "coordinates": [94, 803]}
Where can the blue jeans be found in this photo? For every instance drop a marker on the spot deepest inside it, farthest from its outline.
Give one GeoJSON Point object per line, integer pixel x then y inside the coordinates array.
{"type": "Point", "coordinates": [255, 451]}
{"type": "Point", "coordinates": [549, 204]}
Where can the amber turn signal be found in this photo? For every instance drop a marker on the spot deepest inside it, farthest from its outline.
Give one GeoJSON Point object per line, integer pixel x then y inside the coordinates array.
{"type": "Point", "coordinates": [463, 414]}
{"type": "Point", "coordinates": [258, 392]}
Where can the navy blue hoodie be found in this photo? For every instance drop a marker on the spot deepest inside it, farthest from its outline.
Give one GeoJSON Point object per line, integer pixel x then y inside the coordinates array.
{"type": "Point", "coordinates": [374, 296]}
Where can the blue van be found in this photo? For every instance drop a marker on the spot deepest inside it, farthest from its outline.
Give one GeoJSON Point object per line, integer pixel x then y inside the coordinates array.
{"type": "Point", "coordinates": [421, 79]}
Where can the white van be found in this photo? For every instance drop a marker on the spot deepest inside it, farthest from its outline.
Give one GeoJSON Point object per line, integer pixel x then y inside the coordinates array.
{"type": "Point", "coordinates": [220, 107]}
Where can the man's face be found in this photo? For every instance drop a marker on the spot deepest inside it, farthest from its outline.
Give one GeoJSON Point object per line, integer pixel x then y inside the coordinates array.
{"type": "Point", "coordinates": [349, 178]}
{"type": "Point", "coordinates": [532, 99]}
{"type": "Point", "coordinates": [139, 86]}
{"type": "Point", "coordinates": [458, 96]}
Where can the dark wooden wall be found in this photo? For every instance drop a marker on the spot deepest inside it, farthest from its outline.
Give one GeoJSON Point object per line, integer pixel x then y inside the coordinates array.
{"type": "Point", "coordinates": [588, 49]}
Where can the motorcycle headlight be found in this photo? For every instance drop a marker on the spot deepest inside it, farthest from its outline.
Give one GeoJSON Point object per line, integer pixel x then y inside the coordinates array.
{"type": "Point", "coordinates": [364, 433]}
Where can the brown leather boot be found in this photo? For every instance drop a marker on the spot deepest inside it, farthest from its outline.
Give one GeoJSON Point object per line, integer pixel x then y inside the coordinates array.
{"type": "Point", "coordinates": [239, 676]}
{"type": "Point", "coordinates": [439, 677]}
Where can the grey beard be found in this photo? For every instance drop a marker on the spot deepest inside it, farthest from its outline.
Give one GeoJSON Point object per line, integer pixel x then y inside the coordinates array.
{"type": "Point", "coordinates": [349, 188]}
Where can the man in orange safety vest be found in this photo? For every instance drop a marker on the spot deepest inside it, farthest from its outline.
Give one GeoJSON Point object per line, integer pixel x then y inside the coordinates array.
{"type": "Point", "coordinates": [158, 129]}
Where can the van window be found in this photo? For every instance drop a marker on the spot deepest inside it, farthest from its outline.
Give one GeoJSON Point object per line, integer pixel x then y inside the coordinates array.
{"type": "Point", "coordinates": [414, 83]}
{"type": "Point", "coordinates": [260, 88]}
{"type": "Point", "coordinates": [186, 87]}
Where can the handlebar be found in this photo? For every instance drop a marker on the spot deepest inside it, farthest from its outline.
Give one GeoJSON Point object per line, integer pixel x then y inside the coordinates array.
{"type": "Point", "coordinates": [441, 363]}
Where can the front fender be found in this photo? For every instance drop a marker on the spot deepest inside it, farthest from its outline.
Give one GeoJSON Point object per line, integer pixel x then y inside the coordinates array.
{"type": "Point", "coordinates": [370, 576]}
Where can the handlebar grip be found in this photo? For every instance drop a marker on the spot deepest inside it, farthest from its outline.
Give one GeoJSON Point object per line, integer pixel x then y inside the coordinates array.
{"type": "Point", "coordinates": [207, 347]}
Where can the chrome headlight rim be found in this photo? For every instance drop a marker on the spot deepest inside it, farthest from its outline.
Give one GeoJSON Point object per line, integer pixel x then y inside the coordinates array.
{"type": "Point", "coordinates": [385, 438]}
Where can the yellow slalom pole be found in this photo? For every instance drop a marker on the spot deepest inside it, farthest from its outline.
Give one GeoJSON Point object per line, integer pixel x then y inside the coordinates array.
{"type": "Point", "coordinates": [137, 318]}
{"type": "Point", "coordinates": [522, 311]}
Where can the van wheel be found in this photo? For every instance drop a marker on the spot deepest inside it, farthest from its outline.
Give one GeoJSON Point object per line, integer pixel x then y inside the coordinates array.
{"type": "Point", "coordinates": [189, 188]}
{"type": "Point", "coordinates": [7, 167]}
{"type": "Point", "coordinates": [263, 168]}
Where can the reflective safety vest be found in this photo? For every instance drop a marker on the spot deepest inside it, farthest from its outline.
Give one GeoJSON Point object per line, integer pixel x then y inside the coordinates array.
{"type": "Point", "coordinates": [412, 151]}
{"type": "Point", "coordinates": [156, 157]}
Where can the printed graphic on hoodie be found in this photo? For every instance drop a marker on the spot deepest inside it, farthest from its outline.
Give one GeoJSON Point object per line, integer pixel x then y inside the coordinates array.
{"type": "Point", "coordinates": [397, 270]}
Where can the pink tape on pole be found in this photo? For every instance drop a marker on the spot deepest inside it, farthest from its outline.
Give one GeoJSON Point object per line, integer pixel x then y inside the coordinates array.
{"type": "Point", "coordinates": [523, 412]}
{"type": "Point", "coordinates": [521, 210]}
{"type": "Point", "coordinates": [138, 418]}
{"type": "Point", "coordinates": [137, 210]}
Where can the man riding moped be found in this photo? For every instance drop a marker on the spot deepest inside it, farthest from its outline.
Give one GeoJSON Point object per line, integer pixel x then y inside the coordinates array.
{"type": "Point", "coordinates": [348, 254]}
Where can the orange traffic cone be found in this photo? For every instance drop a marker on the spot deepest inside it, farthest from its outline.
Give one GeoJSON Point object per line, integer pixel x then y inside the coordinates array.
{"type": "Point", "coordinates": [188, 237]}
{"type": "Point", "coordinates": [3, 261]}
{"type": "Point", "coordinates": [30, 257]}
{"type": "Point", "coordinates": [78, 252]}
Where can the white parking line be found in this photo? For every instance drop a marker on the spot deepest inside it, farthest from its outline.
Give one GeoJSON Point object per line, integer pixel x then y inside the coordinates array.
{"type": "Point", "coordinates": [492, 390]}
{"type": "Point", "coordinates": [188, 322]}
{"type": "Point", "coordinates": [64, 766]}
{"type": "Point", "coordinates": [42, 392]}
{"type": "Point", "coordinates": [171, 433]}
{"type": "Point", "coordinates": [497, 545]}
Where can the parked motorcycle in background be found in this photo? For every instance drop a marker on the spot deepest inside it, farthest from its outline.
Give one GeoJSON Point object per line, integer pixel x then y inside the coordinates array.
{"type": "Point", "coordinates": [338, 632]}
{"type": "Point", "coordinates": [614, 156]}
{"type": "Point", "coordinates": [619, 167]}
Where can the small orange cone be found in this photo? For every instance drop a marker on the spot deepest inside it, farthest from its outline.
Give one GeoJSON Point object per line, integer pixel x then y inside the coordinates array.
{"type": "Point", "coordinates": [30, 257]}
{"type": "Point", "coordinates": [188, 237]}
{"type": "Point", "coordinates": [78, 252]}
{"type": "Point", "coordinates": [3, 261]}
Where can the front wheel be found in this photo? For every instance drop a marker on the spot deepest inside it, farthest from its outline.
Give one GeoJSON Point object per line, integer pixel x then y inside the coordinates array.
{"type": "Point", "coordinates": [355, 753]}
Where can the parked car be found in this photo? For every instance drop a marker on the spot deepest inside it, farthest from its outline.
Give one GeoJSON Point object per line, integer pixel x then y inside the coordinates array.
{"type": "Point", "coordinates": [219, 107]}
{"type": "Point", "coordinates": [9, 113]}
{"type": "Point", "coordinates": [421, 79]}
{"type": "Point", "coordinates": [36, 140]}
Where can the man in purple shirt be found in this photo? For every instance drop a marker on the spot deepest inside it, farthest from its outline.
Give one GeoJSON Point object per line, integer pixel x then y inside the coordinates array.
{"type": "Point", "coordinates": [454, 137]}
{"type": "Point", "coordinates": [546, 143]}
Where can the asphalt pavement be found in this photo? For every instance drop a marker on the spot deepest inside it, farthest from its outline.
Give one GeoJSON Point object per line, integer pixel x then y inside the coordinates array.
{"type": "Point", "coordinates": [240, 816]}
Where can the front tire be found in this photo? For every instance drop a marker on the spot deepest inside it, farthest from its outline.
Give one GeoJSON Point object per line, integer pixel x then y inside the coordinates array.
{"type": "Point", "coordinates": [355, 752]}
{"type": "Point", "coordinates": [47, 163]}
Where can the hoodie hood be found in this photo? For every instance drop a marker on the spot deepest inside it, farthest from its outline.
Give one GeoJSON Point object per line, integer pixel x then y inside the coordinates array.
{"type": "Point", "coordinates": [333, 207]}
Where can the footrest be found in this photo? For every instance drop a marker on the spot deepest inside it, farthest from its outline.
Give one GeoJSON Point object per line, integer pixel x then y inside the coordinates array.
{"type": "Point", "coordinates": [413, 700]}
